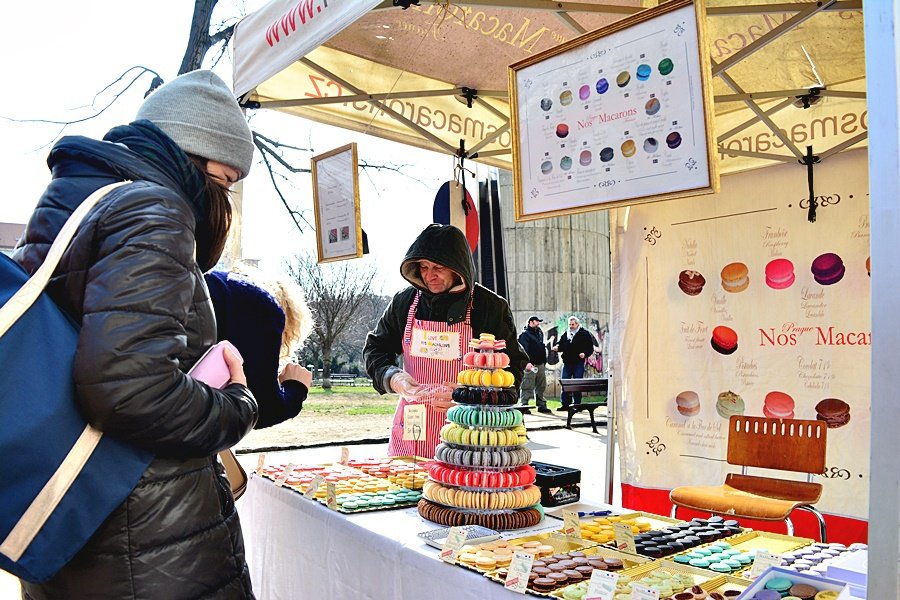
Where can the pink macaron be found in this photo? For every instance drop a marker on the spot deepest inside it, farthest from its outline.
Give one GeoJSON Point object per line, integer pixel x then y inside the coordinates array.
{"type": "Point", "coordinates": [469, 359]}
{"type": "Point", "coordinates": [778, 405]}
{"type": "Point", "coordinates": [780, 274]}
{"type": "Point", "coordinates": [688, 403]}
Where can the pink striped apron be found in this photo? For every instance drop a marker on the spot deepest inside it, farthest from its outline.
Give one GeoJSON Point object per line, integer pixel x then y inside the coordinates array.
{"type": "Point", "coordinates": [427, 371]}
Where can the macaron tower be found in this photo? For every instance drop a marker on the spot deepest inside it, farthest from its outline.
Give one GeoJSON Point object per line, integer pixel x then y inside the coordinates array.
{"type": "Point", "coordinates": [481, 474]}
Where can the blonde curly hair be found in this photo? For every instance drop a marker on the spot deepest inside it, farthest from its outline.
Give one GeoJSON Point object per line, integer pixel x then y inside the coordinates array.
{"type": "Point", "coordinates": [298, 320]}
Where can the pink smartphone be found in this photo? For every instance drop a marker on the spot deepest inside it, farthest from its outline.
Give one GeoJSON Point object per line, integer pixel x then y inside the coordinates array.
{"type": "Point", "coordinates": [211, 368]}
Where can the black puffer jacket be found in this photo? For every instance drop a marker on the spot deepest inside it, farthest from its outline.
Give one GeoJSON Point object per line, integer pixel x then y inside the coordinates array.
{"type": "Point", "coordinates": [130, 279]}
{"type": "Point", "coordinates": [445, 245]}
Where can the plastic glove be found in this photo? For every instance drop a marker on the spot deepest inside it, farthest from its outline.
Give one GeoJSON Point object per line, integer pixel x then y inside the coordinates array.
{"type": "Point", "coordinates": [404, 384]}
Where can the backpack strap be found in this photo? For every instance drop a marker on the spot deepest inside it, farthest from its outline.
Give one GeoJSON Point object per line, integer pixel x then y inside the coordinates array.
{"type": "Point", "coordinates": [28, 293]}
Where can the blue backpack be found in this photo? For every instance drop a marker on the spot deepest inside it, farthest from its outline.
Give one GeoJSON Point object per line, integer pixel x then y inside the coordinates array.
{"type": "Point", "coordinates": [59, 477]}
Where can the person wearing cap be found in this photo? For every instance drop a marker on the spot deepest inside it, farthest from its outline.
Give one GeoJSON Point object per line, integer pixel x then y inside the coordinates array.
{"type": "Point", "coordinates": [132, 279]}
{"type": "Point", "coordinates": [443, 304]}
{"type": "Point", "coordinates": [534, 381]}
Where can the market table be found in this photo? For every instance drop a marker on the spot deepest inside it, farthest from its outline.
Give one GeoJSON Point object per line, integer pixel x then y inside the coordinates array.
{"type": "Point", "coordinates": [297, 548]}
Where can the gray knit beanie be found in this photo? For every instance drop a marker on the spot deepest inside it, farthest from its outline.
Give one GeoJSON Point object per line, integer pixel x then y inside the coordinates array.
{"type": "Point", "coordinates": [200, 113]}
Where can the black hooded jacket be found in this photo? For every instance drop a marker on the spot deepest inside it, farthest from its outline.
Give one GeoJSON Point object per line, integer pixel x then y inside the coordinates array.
{"type": "Point", "coordinates": [130, 279]}
{"type": "Point", "coordinates": [445, 245]}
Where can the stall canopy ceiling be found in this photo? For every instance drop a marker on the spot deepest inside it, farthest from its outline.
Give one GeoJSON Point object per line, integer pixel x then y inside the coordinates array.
{"type": "Point", "coordinates": [434, 74]}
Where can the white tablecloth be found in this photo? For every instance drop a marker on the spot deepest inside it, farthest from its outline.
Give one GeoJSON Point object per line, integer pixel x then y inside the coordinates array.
{"type": "Point", "coordinates": [297, 549]}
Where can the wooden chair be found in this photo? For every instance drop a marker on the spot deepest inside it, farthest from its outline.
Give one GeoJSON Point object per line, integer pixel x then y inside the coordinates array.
{"type": "Point", "coordinates": [787, 445]}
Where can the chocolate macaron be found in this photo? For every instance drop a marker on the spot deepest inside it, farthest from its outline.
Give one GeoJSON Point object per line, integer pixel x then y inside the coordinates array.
{"type": "Point", "coordinates": [691, 282]}
{"type": "Point", "coordinates": [834, 411]}
{"type": "Point", "coordinates": [673, 140]}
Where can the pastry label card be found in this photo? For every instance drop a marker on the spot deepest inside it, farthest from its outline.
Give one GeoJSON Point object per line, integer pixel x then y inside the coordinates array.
{"type": "Point", "coordinates": [643, 592]}
{"type": "Point", "coordinates": [455, 540]}
{"type": "Point", "coordinates": [331, 495]}
{"type": "Point", "coordinates": [517, 574]}
{"type": "Point", "coordinates": [571, 524]}
{"type": "Point", "coordinates": [762, 561]}
{"type": "Point", "coordinates": [618, 116]}
{"type": "Point", "coordinates": [345, 455]}
{"type": "Point", "coordinates": [438, 345]}
{"type": "Point", "coordinates": [260, 462]}
{"type": "Point", "coordinates": [282, 477]}
{"type": "Point", "coordinates": [602, 585]}
{"type": "Point", "coordinates": [414, 422]}
{"type": "Point", "coordinates": [624, 538]}
{"type": "Point", "coordinates": [314, 485]}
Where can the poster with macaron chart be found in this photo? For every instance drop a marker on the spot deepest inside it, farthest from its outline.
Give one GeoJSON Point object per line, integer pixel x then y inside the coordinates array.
{"type": "Point", "coordinates": [616, 118]}
{"type": "Point", "coordinates": [738, 305]}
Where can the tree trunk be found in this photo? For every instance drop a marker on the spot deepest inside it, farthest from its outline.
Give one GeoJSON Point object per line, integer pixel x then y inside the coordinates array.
{"type": "Point", "coordinates": [199, 40]}
{"type": "Point", "coordinates": [326, 367]}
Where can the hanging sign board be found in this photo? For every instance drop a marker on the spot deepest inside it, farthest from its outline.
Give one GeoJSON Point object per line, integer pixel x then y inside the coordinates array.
{"type": "Point", "coordinates": [336, 203]}
{"type": "Point", "coordinates": [617, 116]}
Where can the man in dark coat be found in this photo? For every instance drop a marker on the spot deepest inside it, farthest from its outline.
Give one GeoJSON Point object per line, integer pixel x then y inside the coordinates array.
{"type": "Point", "coordinates": [535, 380]}
{"type": "Point", "coordinates": [575, 345]}
{"type": "Point", "coordinates": [442, 300]}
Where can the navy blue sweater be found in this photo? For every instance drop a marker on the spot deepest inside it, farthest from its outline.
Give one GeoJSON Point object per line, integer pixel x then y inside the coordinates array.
{"type": "Point", "coordinates": [250, 318]}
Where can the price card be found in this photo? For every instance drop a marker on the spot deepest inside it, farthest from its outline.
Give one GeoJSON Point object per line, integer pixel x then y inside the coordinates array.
{"type": "Point", "coordinates": [260, 462]}
{"type": "Point", "coordinates": [571, 524]}
{"type": "Point", "coordinates": [624, 538]}
{"type": "Point", "coordinates": [345, 455]}
{"type": "Point", "coordinates": [602, 585]}
{"type": "Point", "coordinates": [314, 485]}
{"type": "Point", "coordinates": [517, 575]}
{"type": "Point", "coordinates": [762, 561]}
{"type": "Point", "coordinates": [643, 592]}
{"type": "Point", "coordinates": [331, 495]}
{"type": "Point", "coordinates": [282, 477]}
{"type": "Point", "coordinates": [455, 540]}
{"type": "Point", "coordinates": [414, 422]}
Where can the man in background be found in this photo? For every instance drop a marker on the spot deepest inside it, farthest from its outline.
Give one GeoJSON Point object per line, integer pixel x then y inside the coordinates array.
{"type": "Point", "coordinates": [534, 381]}
{"type": "Point", "coordinates": [575, 345]}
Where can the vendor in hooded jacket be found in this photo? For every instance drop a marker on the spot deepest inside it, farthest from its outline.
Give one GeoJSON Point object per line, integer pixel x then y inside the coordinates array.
{"type": "Point", "coordinates": [430, 324]}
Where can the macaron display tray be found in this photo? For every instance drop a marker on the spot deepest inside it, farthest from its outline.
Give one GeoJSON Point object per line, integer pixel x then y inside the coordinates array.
{"type": "Point", "coordinates": [726, 583]}
{"type": "Point", "coordinates": [656, 521]}
{"type": "Point", "coordinates": [820, 583]}
{"type": "Point", "coordinates": [701, 576]}
{"type": "Point", "coordinates": [406, 471]}
{"type": "Point", "coordinates": [775, 543]}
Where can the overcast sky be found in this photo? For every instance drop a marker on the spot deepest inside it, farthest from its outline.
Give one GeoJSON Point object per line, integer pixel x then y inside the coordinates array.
{"type": "Point", "coordinates": [57, 56]}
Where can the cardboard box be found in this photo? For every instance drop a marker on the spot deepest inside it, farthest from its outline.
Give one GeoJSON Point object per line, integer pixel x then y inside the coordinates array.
{"type": "Point", "coordinates": [852, 568]}
{"type": "Point", "coordinates": [819, 583]}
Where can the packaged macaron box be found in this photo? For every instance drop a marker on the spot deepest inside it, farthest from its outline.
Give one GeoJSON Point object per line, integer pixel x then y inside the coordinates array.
{"type": "Point", "coordinates": [776, 583]}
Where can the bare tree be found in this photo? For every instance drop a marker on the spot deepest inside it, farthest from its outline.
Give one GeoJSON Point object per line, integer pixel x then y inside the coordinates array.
{"type": "Point", "coordinates": [201, 40]}
{"type": "Point", "coordinates": [334, 293]}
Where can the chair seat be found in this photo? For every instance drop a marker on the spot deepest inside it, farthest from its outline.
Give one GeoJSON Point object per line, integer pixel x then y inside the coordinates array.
{"type": "Point", "coordinates": [763, 498]}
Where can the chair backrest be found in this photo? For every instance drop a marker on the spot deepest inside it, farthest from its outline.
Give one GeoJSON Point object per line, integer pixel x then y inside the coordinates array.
{"type": "Point", "coordinates": [785, 444]}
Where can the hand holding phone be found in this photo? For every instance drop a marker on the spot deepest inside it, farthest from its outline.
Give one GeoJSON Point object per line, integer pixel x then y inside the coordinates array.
{"type": "Point", "coordinates": [217, 368]}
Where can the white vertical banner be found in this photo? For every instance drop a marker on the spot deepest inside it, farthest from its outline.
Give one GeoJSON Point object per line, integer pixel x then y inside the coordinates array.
{"type": "Point", "coordinates": [739, 305]}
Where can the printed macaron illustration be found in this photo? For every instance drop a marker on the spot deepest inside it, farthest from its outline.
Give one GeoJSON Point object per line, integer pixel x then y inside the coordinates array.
{"type": "Point", "coordinates": [652, 106]}
{"type": "Point", "coordinates": [778, 405]}
{"type": "Point", "coordinates": [665, 66]}
{"type": "Point", "coordinates": [691, 282]}
{"type": "Point", "coordinates": [546, 103]}
{"type": "Point", "coordinates": [546, 167]}
{"type": "Point", "coordinates": [828, 268]}
{"type": "Point", "coordinates": [565, 163]}
{"type": "Point", "coordinates": [729, 404]}
{"type": "Point", "coordinates": [562, 130]}
{"type": "Point", "coordinates": [735, 277]}
{"type": "Point", "coordinates": [607, 154]}
{"type": "Point", "coordinates": [565, 98]}
{"type": "Point", "coordinates": [673, 140]}
{"type": "Point", "coordinates": [651, 145]}
{"type": "Point", "coordinates": [724, 340]}
{"type": "Point", "coordinates": [623, 79]}
{"type": "Point", "coordinates": [584, 92]}
{"type": "Point", "coordinates": [628, 148]}
{"type": "Point", "coordinates": [602, 85]}
{"type": "Point", "coordinates": [688, 403]}
{"type": "Point", "coordinates": [643, 72]}
{"type": "Point", "coordinates": [835, 412]}
{"type": "Point", "coordinates": [780, 274]}
{"type": "Point", "coordinates": [584, 159]}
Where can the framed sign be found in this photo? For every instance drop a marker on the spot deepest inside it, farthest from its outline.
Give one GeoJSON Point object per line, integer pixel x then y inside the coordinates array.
{"type": "Point", "coordinates": [336, 203]}
{"type": "Point", "coordinates": [617, 116]}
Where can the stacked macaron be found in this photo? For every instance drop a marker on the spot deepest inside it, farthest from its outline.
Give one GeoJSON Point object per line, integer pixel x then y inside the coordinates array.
{"type": "Point", "coordinates": [481, 474]}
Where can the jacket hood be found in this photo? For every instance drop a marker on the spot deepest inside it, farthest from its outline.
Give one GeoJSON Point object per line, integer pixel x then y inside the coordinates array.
{"type": "Point", "coordinates": [445, 245]}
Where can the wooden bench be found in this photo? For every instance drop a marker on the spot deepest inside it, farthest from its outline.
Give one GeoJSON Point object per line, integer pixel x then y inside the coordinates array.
{"type": "Point", "coordinates": [592, 386]}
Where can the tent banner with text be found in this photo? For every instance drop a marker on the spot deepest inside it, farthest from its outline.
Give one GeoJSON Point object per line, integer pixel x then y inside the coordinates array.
{"type": "Point", "coordinates": [738, 304]}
